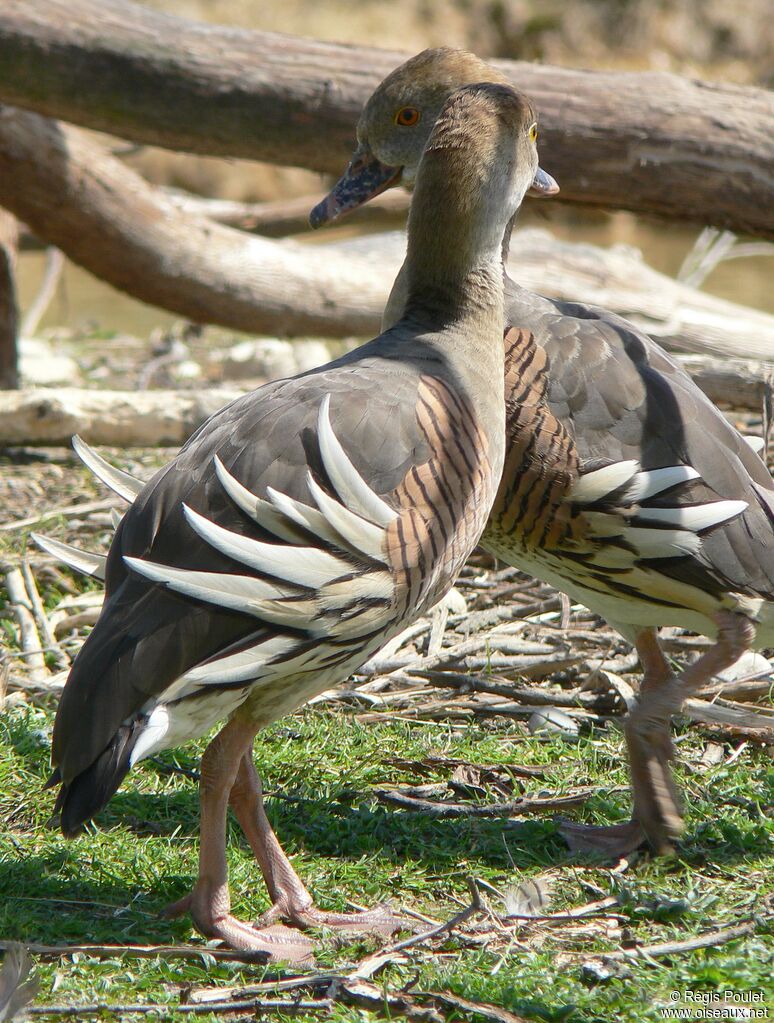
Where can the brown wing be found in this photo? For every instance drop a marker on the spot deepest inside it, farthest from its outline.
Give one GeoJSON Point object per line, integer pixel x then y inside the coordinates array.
{"type": "Point", "coordinates": [621, 397]}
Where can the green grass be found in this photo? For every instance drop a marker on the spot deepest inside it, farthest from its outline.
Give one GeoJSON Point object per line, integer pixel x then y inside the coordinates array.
{"type": "Point", "coordinates": [110, 885]}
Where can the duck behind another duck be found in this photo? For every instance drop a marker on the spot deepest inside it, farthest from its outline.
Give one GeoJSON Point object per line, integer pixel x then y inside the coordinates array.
{"type": "Point", "coordinates": [304, 525]}
{"type": "Point", "coordinates": [623, 485]}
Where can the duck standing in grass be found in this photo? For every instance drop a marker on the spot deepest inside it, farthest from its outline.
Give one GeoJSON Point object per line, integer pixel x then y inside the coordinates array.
{"type": "Point", "coordinates": [304, 525]}
{"type": "Point", "coordinates": [623, 485]}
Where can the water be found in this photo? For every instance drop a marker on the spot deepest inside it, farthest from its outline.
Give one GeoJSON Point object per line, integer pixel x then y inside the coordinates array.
{"type": "Point", "coordinates": [83, 304]}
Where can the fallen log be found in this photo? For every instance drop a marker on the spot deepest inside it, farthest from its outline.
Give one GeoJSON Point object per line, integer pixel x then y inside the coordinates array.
{"type": "Point", "coordinates": [108, 219]}
{"type": "Point", "coordinates": [733, 383]}
{"type": "Point", "coordinates": [644, 141]}
{"type": "Point", "coordinates": [110, 418]}
{"type": "Point", "coordinates": [49, 417]}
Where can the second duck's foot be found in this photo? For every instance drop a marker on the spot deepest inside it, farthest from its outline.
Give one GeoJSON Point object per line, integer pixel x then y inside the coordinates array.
{"type": "Point", "coordinates": [648, 727]}
{"type": "Point", "coordinates": [612, 841]}
{"type": "Point", "coordinates": [281, 944]}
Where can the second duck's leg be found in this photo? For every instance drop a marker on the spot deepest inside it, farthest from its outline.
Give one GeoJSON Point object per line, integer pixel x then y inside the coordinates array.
{"type": "Point", "coordinates": [657, 804]}
{"type": "Point", "coordinates": [209, 903]}
{"type": "Point", "coordinates": [290, 899]}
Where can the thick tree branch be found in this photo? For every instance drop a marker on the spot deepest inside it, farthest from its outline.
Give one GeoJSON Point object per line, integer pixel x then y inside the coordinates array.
{"type": "Point", "coordinates": [9, 312]}
{"type": "Point", "coordinates": [112, 222]}
{"type": "Point", "coordinates": [105, 217]}
{"type": "Point", "coordinates": [649, 142]}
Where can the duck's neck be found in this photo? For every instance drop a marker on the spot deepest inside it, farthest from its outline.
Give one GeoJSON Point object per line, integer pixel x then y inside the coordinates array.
{"type": "Point", "coordinates": [505, 246]}
{"type": "Point", "coordinates": [453, 269]}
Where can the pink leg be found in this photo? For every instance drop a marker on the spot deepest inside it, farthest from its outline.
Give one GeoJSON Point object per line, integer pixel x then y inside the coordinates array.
{"type": "Point", "coordinates": [657, 803]}
{"type": "Point", "coordinates": [209, 903]}
{"type": "Point", "coordinates": [649, 772]}
{"type": "Point", "coordinates": [290, 899]}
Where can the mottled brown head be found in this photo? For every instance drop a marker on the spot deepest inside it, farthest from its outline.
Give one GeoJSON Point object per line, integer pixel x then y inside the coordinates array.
{"type": "Point", "coordinates": [396, 123]}
{"type": "Point", "coordinates": [397, 120]}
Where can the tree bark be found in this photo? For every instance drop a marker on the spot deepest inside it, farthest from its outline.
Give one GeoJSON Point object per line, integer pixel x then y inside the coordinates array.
{"type": "Point", "coordinates": [9, 310]}
{"type": "Point", "coordinates": [649, 142]}
{"type": "Point", "coordinates": [106, 218]}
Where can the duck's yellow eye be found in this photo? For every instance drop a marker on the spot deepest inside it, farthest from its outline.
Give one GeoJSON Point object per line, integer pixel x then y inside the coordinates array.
{"type": "Point", "coordinates": [533, 133]}
{"type": "Point", "coordinates": [407, 117]}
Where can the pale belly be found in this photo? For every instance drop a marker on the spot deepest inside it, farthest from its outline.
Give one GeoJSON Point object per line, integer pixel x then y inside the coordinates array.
{"type": "Point", "coordinates": [625, 612]}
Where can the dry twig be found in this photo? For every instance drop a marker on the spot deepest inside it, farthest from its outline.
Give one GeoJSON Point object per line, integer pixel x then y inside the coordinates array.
{"type": "Point", "coordinates": [516, 808]}
{"type": "Point", "coordinates": [83, 508]}
{"type": "Point", "coordinates": [52, 644]}
{"type": "Point", "coordinates": [32, 648]}
{"type": "Point", "coordinates": [710, 939]}
{"type": "Point", "coordinates": [141, 952]}
{"type": "Point", "coordinates": [476, 906]}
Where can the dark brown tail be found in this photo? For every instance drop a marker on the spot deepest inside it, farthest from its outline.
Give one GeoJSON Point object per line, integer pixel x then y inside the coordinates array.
{"type": "Point", "coordinates": [84, 796]}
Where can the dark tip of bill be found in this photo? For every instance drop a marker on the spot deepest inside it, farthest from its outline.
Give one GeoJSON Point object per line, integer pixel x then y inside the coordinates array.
{"type": "Point", "coordinates": [323, 212]}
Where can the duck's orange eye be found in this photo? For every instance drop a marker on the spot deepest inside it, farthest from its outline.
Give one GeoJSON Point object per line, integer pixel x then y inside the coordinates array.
{"type": "Point", "coordinates": [407, 117]}
{"type": "Point", "coordinates": [533, 133]}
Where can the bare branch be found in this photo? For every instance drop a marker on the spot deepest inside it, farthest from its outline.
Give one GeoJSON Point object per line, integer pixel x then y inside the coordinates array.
{"type": "Point", "coordinates": [110, 221]}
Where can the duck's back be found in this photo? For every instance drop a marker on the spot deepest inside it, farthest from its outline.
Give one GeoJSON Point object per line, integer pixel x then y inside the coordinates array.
{"type": "Point", "coordinates": [607, 393]}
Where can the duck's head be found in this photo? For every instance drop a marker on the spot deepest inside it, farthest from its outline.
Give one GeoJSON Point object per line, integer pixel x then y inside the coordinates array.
{"type": "Point", "coordinates": [395, 126]}
{"type": "Point", "coordinates": [479, 161]}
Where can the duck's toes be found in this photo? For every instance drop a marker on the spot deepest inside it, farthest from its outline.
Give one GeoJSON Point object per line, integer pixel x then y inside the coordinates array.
{"type": "Point", "coordinates": [380, 921]}
{"type": "Point", "coordinates": [608, 841]}
{"type": "Point", "coordinates": [281, 944]}
{"type": "Point", "coordinates": [278, 943]}
{"type": "Point", "coordinates": [657, 816]}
